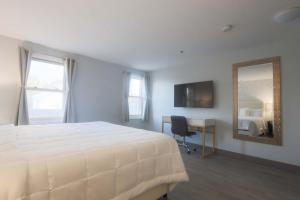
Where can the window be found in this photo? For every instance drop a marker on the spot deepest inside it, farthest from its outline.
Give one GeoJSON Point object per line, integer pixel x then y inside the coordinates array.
{"type": "Point", "coordinates": [136, 99]}
{"type": "Point", "coordinates": [46, 92]}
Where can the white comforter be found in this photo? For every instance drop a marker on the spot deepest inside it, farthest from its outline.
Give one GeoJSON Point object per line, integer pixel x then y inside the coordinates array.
{"type": "Point", "coordinates": [87, 161]}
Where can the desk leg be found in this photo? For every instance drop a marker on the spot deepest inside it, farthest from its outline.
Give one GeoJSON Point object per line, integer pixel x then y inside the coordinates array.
{"type": "Point", "coordinates": [162, 127]}
{"type": "Point", "coordinates": [203, 142]}
{"type": "Point", "coordinates": [214, 138]}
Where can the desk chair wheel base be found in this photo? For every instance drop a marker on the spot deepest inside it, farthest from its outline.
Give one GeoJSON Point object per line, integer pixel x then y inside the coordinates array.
{"type": "Point", "coordinates": [185, 145]}
{"type": "Point", "coordinates": [180, 127]}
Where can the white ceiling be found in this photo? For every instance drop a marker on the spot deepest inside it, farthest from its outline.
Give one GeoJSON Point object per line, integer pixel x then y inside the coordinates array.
{"type": "Point", "coordinates": [144, 34]}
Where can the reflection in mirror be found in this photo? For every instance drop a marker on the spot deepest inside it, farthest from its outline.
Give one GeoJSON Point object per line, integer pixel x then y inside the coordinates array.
{"type": "Point", "coordinates": [255, 100]}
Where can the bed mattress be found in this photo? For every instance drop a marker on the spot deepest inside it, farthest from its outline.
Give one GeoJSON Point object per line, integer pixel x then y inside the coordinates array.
{"type": "Point", "coordinates": [85, 161]}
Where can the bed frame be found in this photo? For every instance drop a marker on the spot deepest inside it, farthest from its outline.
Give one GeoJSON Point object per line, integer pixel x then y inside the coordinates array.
{"type": "Point", "coordinates": [156, 193]}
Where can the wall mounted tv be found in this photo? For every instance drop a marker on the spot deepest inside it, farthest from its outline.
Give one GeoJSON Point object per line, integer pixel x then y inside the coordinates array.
{"type": "Point", "coordinates": [195, 95]}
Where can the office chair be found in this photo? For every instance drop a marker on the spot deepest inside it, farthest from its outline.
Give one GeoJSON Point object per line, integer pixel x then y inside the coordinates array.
{"type": "Point", "coordinates": [179, 127]}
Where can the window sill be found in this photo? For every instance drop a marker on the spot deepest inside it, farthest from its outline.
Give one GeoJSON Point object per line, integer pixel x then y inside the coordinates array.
{"type": "Point", "coordinates": [135, 119]}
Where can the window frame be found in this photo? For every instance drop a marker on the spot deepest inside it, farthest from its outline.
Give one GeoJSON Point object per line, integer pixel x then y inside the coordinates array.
{"type": "Point", "coordinates": [63, 91]}
{"type": "Point", "coordinates": [140, 97]}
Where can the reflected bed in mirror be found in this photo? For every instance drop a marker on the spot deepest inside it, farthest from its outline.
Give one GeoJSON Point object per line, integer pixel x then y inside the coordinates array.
{"type": "Point", "coordinates": [256, 101]}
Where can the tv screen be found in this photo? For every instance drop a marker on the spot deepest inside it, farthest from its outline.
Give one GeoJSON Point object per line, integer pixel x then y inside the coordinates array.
{"type": "Point", "coordinates": [195, 95]}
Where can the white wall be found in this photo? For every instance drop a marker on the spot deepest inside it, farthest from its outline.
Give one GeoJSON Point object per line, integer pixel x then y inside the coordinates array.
{"type": "Point", "coordinates": [98, 90]}
{"type": "Point", "coordinates": [9, 79]}
{"type": "Point", "coordinates": [219, 69]}
{"type": "Point", "coordinates": [97, 87]}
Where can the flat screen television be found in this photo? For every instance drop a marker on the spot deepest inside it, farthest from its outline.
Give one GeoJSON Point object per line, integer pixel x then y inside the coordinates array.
{"type": "Point", "coordinates": [194, 95]}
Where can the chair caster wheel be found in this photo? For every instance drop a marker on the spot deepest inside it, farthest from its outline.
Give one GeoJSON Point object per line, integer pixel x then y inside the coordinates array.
{"type": "Point", "coordinates": [189, 152]}
{"type": "Point", "coordinates": [195, 149]}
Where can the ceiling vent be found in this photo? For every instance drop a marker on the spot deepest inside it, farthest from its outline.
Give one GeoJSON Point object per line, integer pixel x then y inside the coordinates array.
{"type": "Point", "coordinates": [227, 28]}
{"type": "Point", "coordinates": [287, 15]}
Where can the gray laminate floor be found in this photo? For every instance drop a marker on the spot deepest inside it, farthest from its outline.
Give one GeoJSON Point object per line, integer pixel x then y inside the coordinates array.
{"type": "Point", "coordinates": [231, 176]}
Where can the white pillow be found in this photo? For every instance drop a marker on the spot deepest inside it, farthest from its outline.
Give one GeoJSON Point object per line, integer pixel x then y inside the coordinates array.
{"type": "Point", "coordinates": [245, 112]}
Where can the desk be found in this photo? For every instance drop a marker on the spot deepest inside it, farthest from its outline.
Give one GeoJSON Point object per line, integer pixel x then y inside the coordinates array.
{"type": "Point", "coordinates": [201, 126]}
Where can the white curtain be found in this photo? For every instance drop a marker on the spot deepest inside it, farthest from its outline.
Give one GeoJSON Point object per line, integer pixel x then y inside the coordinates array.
{"type": "Point", "coordinates": [69, 115]}
{"type": "Point", "coordinates": [22, 112]}
{"type": "Point", "coordinates": [146, 96]}
{"type": "Point", "coordinates": [125, 95]}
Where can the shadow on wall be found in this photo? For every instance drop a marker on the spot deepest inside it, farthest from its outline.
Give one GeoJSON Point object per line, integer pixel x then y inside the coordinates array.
{"type": "Point", "coordinates": [8, 102]}
{"type": "Point", "coordinates": [223, 128]}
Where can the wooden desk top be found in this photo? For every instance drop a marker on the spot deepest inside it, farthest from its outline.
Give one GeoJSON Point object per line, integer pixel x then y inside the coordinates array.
{"type": "Point", "coordinates": [193, 122]}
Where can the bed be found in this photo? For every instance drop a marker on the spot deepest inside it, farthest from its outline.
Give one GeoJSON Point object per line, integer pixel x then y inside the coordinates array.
{"type": "Point", "coordinates": [250, 125]}
{"type": "Point", "coordinates": [87, 161]}
{"type": "Point", "coordinates": [251, 120]}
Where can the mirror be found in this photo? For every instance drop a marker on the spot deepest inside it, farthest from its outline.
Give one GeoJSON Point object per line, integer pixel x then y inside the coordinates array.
{"type": "Point", "coordinates": [256, 101]}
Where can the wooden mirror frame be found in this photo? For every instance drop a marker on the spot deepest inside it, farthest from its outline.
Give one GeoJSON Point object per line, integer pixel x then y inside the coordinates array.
{"type": "Point", "coordinates": [277, 135]}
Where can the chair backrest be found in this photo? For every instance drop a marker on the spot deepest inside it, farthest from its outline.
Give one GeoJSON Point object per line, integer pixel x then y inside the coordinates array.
{"type": "Point", "coordinates": [179, 125]}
